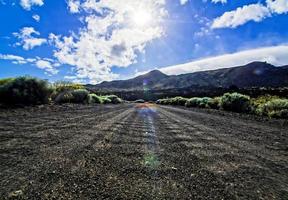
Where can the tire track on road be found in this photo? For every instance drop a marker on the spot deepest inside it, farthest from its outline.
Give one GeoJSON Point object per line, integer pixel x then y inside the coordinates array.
{"type": "Point", "coordinates": [228, 155]}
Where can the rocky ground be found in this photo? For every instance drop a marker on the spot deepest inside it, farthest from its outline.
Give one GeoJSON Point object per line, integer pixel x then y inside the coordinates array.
{"type": "Point", "coordinates": [141, 151]}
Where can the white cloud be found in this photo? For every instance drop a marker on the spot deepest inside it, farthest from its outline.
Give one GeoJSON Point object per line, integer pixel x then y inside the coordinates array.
{"type": "Point", "coordinates": [74, 6]}
{"type": "Point", "coordinates": [27, 40]}
{"type": "Point", "coordinates": [276, 55]}
{"type": "Point", "coordinates": [240, 16]}
{"type": "Point", "coordinates": [36, 18]}
{"type": "Point", "coordinates": [11, 57]}
{"type": "Point", "coordinates": [219, 1]}
{"type": "Point", "coordinates": [253, 12]}
{"type": "Point", "coordinates": [46, 64]}
{"type": "Point", "coordinates": [116, 41]}
{"type": "Point", "coordinates": [183, 2]}
{"type": "Point", "coordinates": [27, 4]}
{"type": "Point", "coordinates": [278, 6]}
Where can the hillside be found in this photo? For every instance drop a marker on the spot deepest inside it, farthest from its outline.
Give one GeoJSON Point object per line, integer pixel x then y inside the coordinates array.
{"type": "Point", "coordinates": [256, 74]}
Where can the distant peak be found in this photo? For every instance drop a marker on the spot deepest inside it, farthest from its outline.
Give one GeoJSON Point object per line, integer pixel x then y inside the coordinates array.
{"type": "Point", "coordinates": [259, 64]}
{"type": "Point", "coordinates": [155, 73]}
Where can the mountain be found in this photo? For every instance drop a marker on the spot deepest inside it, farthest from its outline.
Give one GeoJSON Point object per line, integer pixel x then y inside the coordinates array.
{"type": "Point", "coordinates": [255, 74]}
{"type": "Point", "coordinates": [248, 79]}
{"type": "Point", "coordinates": [149, 80]}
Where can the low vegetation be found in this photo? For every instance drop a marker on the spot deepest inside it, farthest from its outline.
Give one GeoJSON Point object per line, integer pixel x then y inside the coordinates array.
{"type": "Point", "coordinates": [62, 86]}
{"type": "Point", "coordinates": [25, 91]}
{"type": "Point", "coordinates": [271, 106]}
{"type": "Point", "coordinates": [6, 80]}
{"type": "Point", "coordinates": [73, 96]}
{"type": "Point", "coordinates": [235, 102]}
{"type": "Point", "coordinates": [173, 101]}
{"type": "Point", "coordinates": [198, 102]}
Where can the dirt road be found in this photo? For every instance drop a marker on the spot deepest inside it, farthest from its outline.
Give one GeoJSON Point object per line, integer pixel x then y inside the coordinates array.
{"type": "Point", "coordinates": [139, 152]}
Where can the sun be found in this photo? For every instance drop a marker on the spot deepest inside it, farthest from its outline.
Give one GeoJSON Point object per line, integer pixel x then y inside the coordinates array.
{"type": "Point", "coordinates": [141, 18]}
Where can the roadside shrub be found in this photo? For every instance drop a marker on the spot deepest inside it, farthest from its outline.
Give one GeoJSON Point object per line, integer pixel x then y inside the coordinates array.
{"type": "Point", "coordinates": [178, 101]}
{"type": "Point", "coordinates": [276, 108]}
{"type": "Point", "coordinates": [214, 103]}
{"type": "Point", "coordinates": [198, 102]}
{"type": "Point", "coordinates": [80, 96]}
{"type": "Point", "coordinates": [193, 102]}
{"type": "Point", "coordinates": [267, 105]}
{"type": "Point", "coordinates": [235, 102]}
{"type": "Point", "coordinates": [163, 101]}
{"type": "Point", "coordinates": [62, 86]}
{"type": "Point", "coordinates": [114, 99]}
{"type": "Point", "coordinates": [93, 98]}
{"type": "Point", "coordinates": [64, 97]}
{"type": "Point", "coordinates": [258, 103]}
{"type": "Point", "coordinates": [25, 91]}
{"type": "Point", "coordinates": [105, 100]}
{"type": "Point", "coordinates": [6, 80]}
{"type": "Point", "coordinates": [204, 102]}
{"type": "Point", "coordinates": [74, 96]}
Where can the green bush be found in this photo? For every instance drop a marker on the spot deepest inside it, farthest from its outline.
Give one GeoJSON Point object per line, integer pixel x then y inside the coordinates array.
{"type": "Point", "coordinates": [114, 99]}
{"type": "Point", "coordinates": [271, 106]}
{"type": "Point", "coordinates": [198, 102]}
{"type": "Point", "coordinates": [64, 97]}
{"type": "Point", "coordinates": [204, 102]}
{"type": "Point", "coordinates": [181, 101]}
{"type": "Point", "coordinates": [6, 80]}
{"type": "Point", "coordinates": [105, 100]}
{"type": "Point", "coordinates": [25, 91]}
{"type": "Point", "coordinates": [162, 101]}
{"type": "Point", "coordinates": [235, 102]}
{"type": "Point", "coordinates": [193, 102]}
{"type": "Point", "coordinates": [214, 103]}
{"type": "Point", "coordinates": [80, 96]}
{"type": "Point", "coordinates": [62, 86]}
{"type": "Point", "coordinates": [276, 108]}
{"type": "Point", "coordinates": [93, 98]}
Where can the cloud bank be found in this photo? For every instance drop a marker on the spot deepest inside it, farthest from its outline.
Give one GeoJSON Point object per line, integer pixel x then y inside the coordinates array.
{"type": "Point", "coordinates": [276, 55]}
{"type": "Point", "coordinates": [46, 64]}
{"type": "Point", "coordinates": [253, 12]}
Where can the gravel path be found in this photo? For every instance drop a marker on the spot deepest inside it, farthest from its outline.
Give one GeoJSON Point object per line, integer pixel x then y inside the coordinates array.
{"type": "Point", "coordinates": [141, 151]}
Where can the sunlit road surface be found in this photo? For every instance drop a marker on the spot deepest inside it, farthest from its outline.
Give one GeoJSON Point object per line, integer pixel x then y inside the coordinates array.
{"type": "Point", "coordinates": [139, 151]}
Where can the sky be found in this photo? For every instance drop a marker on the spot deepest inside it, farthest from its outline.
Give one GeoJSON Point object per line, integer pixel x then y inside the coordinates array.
{"type": "Point", "coordinates": [90, 41]}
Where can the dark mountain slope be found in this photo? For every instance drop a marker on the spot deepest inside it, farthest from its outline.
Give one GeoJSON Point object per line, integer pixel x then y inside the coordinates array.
{"type": "Point", "coordinates": [256, 74]}
{"type": "Point", "coordinates": [147, 80]}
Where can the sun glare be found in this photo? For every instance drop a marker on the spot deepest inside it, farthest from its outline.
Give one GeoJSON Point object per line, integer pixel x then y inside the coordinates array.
{"type": "Point", "coordinates": [142, 18]}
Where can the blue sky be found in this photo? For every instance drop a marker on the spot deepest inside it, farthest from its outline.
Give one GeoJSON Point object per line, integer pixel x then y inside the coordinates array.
{"type": "Point", "coordinates": [96, 40]}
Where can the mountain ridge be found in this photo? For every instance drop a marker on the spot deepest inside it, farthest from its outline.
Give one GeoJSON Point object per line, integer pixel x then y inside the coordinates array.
{"type": "Point", "coordinates": [255, 74]}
